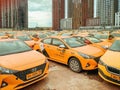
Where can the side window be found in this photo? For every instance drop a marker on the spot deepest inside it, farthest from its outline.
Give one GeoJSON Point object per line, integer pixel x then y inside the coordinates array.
{"type": "Point", "coordinates": [57, 42]}
{"type": "Point", "coordinates": [83, 40]}
{"type": "Point", "coordinates": [47, 41]}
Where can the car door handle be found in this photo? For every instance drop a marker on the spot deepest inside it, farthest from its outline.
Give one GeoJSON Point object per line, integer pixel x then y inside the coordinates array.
{"type": "Point", "coordinates": [48, 46]}
{"type": "Point", "coordinates": [58, 49]}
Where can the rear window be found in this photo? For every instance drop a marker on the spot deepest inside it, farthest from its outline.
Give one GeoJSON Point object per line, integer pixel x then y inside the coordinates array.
{"type": "Point", "coordinates": [115, 46]}
{"type": "Point", "coordinates": [24, 38]}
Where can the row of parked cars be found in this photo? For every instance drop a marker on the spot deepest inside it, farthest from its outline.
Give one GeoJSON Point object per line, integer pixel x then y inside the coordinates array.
{"type": "Point", "coordinates": [24, 58]}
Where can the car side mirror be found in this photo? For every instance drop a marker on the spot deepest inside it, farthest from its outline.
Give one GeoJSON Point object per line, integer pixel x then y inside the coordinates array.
{"type": "Point", "coordinates": [61, 46]}
{"type": "Point", "coordinates": [87, 42]}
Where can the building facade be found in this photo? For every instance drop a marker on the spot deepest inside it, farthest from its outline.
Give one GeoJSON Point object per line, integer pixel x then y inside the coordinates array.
{"type": "Point", "coordinates": [118, 5]}
{"type": "Point", "coordinates": [93, 22]}
{"type": "Point", "coordinates": [106, 11]}
{"type": "Point", "coordinates": [117, 19]}
{"type": "Point", "coordinates": [70, 8]}
{"type": "Point", "coordinates": [58, 13]}
{"type": "Point", "coordinates": [14, 14]}
{"type": "Point", "coordinates": [66, 24]}
{"type": "Point", "coordinates": [80, 11]}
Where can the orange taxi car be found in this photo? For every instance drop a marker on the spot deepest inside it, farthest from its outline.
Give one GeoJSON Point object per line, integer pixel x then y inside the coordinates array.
{"type": "Point", "coordinates": [3, 36]}
{"type": "Point", "coordinates": [102, 36]}
{"type": "Point", "coordinates": [20, 66]}
{"type": "Point", "coordinates": [32, 43]}
{"type": "Point", "coordinates": [69, 51]}
{"type": "Point", "coordinates": [104, 45]}
{"type": "Point", "coordinates": [109, 64]}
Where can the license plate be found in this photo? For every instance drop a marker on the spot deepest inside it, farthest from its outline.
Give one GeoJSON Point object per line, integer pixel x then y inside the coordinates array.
{"type": "Point", "coordinates": [34, 74]}
{"type": "Point", "coordinates": [115, 77]}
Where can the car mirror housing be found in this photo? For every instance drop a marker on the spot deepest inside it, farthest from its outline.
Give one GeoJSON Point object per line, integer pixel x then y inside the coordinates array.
{"type": "Point", "coordinates": [62, 46]}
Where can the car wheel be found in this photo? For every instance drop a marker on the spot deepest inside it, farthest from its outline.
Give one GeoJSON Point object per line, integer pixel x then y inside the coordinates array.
{"type": "Point", "coordinates": [75, 65]}
{"type": "Point", "coordinates": [38, 50]}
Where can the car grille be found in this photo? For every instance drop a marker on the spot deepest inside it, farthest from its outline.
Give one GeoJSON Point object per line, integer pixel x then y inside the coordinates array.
{"type": "Point", "coordinates": [22, 74]}
{"type": "Point", "coordinates": [113, 70]}
{"type": "Point", "coordinates": [97, 59]}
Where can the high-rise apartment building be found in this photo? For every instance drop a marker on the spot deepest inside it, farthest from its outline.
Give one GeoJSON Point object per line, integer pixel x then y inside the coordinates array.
{"type": "Point", "coordinates": [58, 13]}
{"type": "Point", "coordinates": [118, 5]}
{"type": "Point", "coordinates": [98, 4]}
{"type": "Point", "coordinates": [106, 11]}
{"type": "Point", "coordinates": [81, 11]}
{"type": "Point", "coordinates": [14, 14]}
{"type": "Point", "coordinates": [0, 14]}
{"type": "Point", "coordinates": [90, 8]}
{"type": "Point", "coordinates": [70, 8]}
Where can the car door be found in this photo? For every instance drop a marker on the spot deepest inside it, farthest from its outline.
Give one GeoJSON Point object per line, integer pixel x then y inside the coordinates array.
{"type": "Point", "coordinates": [59, 53]}
{"type": "Point", "coordinates": [46, 46]}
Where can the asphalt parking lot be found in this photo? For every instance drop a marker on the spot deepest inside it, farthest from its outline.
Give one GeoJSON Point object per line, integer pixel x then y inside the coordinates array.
{"type": "Point", "coordinates": [62, 78]}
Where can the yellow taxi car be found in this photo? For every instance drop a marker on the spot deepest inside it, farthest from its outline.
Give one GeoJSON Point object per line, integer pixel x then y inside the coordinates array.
{"type": "Point", "coordinates": [20, 66]}
{"type": "Point", "coordinates": [109, 64]}
{"type": "Point", "coordinates": [69, 51]}
{"type": "Point", "coordinates": [32, 43]}
{"type": "Point", "coordinates": [3, 36]}
{"type": "Point", "coordinates": [102, 36]}
{"type": "Point", "coordinates": [104, 45]}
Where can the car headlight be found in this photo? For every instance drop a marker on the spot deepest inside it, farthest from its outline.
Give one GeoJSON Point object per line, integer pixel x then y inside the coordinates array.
{"type": "Point", "coordinates": [86, 56]}
{"type": "Point", "coordinates": [102, 63]}
{"type": "Point", "coordinates": [7, 71]}
{"type": "Point", "coordinates": [105, 47]}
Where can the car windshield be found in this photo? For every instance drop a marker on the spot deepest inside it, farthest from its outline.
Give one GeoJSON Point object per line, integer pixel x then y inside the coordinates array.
{"type": "Point", "coordinates": [116, 34]}
{"type": "Point", "coordinates": [115, 46]}
{"type": "Point", "coordinates": [24, 38]}
{"type": "Point", "coordinates": [2, 34]}
{"type": "Point", "coordinates": [73, 42]}
{"type": "Point", "coordinates": [101, 36]}
{"type": "Point", "coordinates": [66, 34]}
{"type": "Point", "coordinates": [42, 36]}
{"type": "Point", "coordinates": [93, 39]}
{"type": "Point", "coordinates": [11, 47]}
{"type": "Point", "coordinates": [80, 39]}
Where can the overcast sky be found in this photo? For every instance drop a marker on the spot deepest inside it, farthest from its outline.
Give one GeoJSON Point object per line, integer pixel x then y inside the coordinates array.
{"type": "Point", "coordinates": [40, 13]}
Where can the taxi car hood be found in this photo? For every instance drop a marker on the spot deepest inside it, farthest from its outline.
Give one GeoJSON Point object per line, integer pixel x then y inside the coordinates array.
{"type": "Point", "coordinates": [104, 43]}
{"type": "Point", "coordinates": [22, 61]}
{"type": "Point", "coordinates": [30, 43]}
{"type": "Point", "coordinates": [90, 50]}
{"type": "Point", "coordinates": [111, 58]}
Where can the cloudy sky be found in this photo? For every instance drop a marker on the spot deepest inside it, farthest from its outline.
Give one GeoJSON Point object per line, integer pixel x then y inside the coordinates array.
{"type": "Point", "coordinates": [40, 13]}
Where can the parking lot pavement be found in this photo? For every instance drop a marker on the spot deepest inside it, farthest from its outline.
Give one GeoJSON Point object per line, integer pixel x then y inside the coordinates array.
{"type": "Point", "coordinates": [62, 78]}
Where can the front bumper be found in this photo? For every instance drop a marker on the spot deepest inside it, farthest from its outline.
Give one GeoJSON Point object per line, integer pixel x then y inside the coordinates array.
{"type": "Point", "coordinates": [18, 80]}
{"type": "Point", "coordinates": [106, 75]}
{"type": "Point", "coordinates": [89, 64]}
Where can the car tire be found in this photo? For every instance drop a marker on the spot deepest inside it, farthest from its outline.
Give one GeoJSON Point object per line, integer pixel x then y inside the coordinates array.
{"type": "Point", "coordinates": [75, 65]}
{"type": "Point", "coordinates": [38, 50]}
